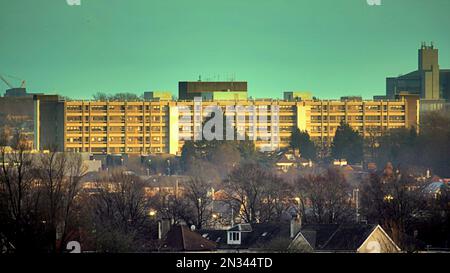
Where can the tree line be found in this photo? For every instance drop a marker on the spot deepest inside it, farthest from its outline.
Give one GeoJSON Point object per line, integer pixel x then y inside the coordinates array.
{"type": "Point", "coordinates": [426, 146]}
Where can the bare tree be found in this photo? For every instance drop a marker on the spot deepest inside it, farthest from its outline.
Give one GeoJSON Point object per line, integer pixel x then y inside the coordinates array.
{"type": "Point", "coordinates": [174, 207]}
{"type": "Point", "coordinates": [59, 175]}
{"type": "Point", "coordinates": [197, 192]}
{"type": "Point", "coordinates": [255, 193]}
{"type": "Point", "coordinates": [391, 199]}
{"type": "Point", "coordinates": [18, 196]}
{"type": "Point", "coordinates": [120, 212]}
{"type": "Point", "coordinates": [277, 197]}
{"type": "Point", "coordinates": [75, 171]}
{"type": "Point", "coordinates": [326, 194]}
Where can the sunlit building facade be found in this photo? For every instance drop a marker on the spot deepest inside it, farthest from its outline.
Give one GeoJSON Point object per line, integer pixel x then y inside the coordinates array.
{"type": "Point", "coordinates": [154, 127]}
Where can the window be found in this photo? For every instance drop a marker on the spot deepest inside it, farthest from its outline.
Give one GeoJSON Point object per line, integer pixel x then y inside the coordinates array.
{"type": "Point", "coordinates": [74, 108]}
{"type": "Point", "coordinates": [373, 118]}
{"type": "Point", "coordinates": [397, 108]}
{"type": "Point", "coordinates": [73, 129]}
{"type": "Point", "coordinates": [98, 108]}
{"type": "Point", "coordinates": [73, 119]}
{"type": "Point", "coordinates": [98, 119]}
{"type": "Point", "coordinates": [234, 237]}
{"type": "Point", "coordinates": [373, 108]}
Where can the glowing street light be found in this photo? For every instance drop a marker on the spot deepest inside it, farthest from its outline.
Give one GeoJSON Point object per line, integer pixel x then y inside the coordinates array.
{"type": "Point", "coordinates": [388, 198]}
{"type": "Point", "coordinates": [152, 213]}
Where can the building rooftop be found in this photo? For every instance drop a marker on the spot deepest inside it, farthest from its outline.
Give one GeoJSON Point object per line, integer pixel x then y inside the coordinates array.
{"type": "Point", "coordinates": [334, 237]}
{"type": "Point", "coordinates": [181, 238]}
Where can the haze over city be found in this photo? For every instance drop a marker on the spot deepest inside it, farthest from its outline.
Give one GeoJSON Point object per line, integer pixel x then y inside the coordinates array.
{"type": "Point", "coordinates": [331, 48]}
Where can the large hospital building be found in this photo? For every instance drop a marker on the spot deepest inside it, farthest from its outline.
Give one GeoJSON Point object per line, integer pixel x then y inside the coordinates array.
{"type": "Point", "coordinates": [157, 125]}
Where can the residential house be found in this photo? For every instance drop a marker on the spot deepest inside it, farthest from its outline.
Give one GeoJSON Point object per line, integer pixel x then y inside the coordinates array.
{"type": "Point", "coordinates": [353, 238]}
{"type": "Point", "coordinates": [289, 161]}
{"type": "Point", "coordinates": [180, 238]}
{"type": "Point", "coordinates": [293, 237]}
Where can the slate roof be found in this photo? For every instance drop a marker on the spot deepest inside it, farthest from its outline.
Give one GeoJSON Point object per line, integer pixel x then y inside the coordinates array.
{"type": "Point", "coordinates": [334, 237]}
{"type": "Point", "coordinates": [242, 227]}
{"type": "Point", "coordinates": [181, 238]}
{"type": "Point", "coordinates": [318, 235]}
{"type": "Point", "coordinates": [260, 235]}
{"type": "Point", "coordinates": [264, 233]}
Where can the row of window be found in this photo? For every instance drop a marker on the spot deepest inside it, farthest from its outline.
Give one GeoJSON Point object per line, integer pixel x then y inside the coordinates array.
{"type": "Point", "coordinates": [117, 150]}
{"type": "Point", "coordinates": [117, 140]}
{"type": "Point", "coordinates": [354, 118]}
{"type": "Point", "coordinates": [78, 108]}
{"type": "Point", "coordinates": [116, 129]}
{"type": "Point", "coordinates": [358, 108]}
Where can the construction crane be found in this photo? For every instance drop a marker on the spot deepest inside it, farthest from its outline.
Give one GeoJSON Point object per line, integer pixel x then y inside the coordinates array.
{"type": "Point", "coordinates": [6, 81]}
{"type": "Point", "coordinates": [22, 85]}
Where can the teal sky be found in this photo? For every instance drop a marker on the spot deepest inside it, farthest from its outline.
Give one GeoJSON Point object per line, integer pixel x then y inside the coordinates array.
{"type": "Point", "coordinates": [329, 47]}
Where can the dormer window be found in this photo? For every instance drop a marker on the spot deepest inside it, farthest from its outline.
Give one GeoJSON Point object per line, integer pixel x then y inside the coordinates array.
{"type": "Point", "coordinates": [234, 238]}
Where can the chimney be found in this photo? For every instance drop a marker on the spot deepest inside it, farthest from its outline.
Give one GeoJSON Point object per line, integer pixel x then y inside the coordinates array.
{"type": "Point", "coordinates": [296, 225]}
{"type": "Point", "coordinates": [159, 230]}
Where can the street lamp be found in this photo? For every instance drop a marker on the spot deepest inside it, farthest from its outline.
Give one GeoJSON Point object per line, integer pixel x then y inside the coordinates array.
{"type": "Point", "coordinates": [168, 167]}
{"type": "Point", "coordinates": [152, 213]}
{"type": "Point", "coordinates": [388, 198]}
{"type": "Point", "coordinates": [298, 200]}
{"type": "Point", "coordinates": [215, 216]}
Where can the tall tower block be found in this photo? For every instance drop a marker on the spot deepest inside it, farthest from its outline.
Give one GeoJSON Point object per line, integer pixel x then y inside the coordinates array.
{"type": "Point", "coordinates": [429, 71]}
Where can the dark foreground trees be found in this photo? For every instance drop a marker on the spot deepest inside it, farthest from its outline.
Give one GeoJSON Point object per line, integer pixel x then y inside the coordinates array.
{"type": "Point", "coordinates": [324, 197]}
{"type": "Point", "coordinates": [394, 200]}
{"type": "Point", "coordinates": [37, 198]}
{"type": "Point", "coordinates": [19, 201]}
{"type": "Point", "coordinates": [256, 194]}
{"type": "Point", "coordinates": [118, 214]}
{"type": "Point", "coordinates": [301, 141]}
{"type": "Point", "coordinates": [347, 144]}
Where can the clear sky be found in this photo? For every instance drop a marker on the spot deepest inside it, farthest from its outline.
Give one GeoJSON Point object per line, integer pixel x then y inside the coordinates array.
{"type": "Point", "coordinates": [329, 47]}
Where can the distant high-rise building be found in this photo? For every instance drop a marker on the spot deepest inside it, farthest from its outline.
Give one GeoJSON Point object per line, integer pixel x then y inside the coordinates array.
{"type": "Point", "coordinates": [212, 90]}
{"type": "Point", "coordinates": [157, 95]}
{"type": "Point", "coordinates": [153, 127]}
{"type": "Point", "coordinates": [297, 95]}
{"type": "Point", "coordinates": [34, 116]}
{"type": "Point", "coordinates": [17, 92]}
{"type": "Point", "coordinates": [428, 81]}
{"type": "Point", "coordinates": [429, 72]}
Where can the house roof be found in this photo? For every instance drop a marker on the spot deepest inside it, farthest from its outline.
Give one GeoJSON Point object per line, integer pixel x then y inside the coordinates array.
{"type": "Point", "coordinates": [317, 235]}
{"type": "Point", "coordinates": [434, 187]}
{"type": "Point", "coordinates": [264, 233]}
{"type": "Point", "coordinates": [285, 160]}
{"type": "Point", "coordinates": [242, 227]}
{"type": "Point", "coordinates": [181, 238]}
{"type": "Point", "coordinates": [261, 234]}
{"type": "Point", "coordinates": [337, 237]}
